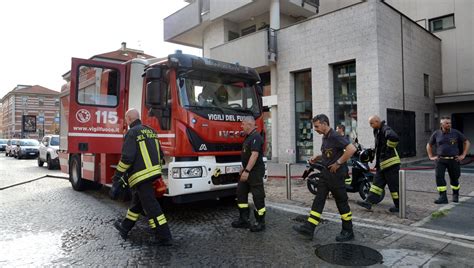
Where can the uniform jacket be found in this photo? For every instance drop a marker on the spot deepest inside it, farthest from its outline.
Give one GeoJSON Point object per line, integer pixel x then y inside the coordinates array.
{"type": "Point", "coordinates": [141, 154]}
{"type": "Point", "coordinates": [386, 141]}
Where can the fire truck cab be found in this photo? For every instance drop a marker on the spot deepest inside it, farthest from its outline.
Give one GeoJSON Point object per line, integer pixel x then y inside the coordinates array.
{"type": "Point", "coordinates": [195, 104]}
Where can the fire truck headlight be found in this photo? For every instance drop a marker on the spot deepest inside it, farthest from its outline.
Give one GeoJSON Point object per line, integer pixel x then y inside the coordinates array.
{"type": "Point", "coordinates": [186, 172]}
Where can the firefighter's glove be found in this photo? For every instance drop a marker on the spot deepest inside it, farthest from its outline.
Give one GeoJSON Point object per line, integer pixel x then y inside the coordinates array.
{"type": "Point", "coordinates": [119, 186]}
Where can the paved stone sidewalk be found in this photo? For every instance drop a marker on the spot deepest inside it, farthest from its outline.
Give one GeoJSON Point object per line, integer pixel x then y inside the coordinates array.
{"type": "Point", "coordinates": [421, 192]}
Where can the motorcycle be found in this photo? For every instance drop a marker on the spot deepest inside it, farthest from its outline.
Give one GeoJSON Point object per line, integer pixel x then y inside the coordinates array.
{"type": "Point", "coordinates": [361, 175]}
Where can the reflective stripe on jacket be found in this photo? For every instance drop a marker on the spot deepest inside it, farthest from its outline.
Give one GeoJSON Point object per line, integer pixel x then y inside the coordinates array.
{"type": "Point", "coordinates": [141, 154]}
{"type": "Point", "coordinates": [386, 141]}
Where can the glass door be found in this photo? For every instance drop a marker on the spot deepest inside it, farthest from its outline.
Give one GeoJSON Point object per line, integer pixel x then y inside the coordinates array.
{"type": "Point", "coordinates": [304, 111]}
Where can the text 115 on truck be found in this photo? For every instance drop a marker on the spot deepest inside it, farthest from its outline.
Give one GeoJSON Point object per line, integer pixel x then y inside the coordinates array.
{"type": "Point", "coordinates": [195, 104]}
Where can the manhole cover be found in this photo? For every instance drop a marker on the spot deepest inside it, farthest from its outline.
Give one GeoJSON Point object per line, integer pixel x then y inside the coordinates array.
{"type": "Point", "coordinates": [348, 254]}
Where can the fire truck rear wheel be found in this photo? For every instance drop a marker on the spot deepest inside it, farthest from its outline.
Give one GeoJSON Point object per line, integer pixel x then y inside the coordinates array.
{"type": "Point", "coordinates": [75, 174]}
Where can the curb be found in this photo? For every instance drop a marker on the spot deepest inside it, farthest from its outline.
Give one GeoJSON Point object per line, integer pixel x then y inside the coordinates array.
{"type": "Point", "coordinates": [392, 227]}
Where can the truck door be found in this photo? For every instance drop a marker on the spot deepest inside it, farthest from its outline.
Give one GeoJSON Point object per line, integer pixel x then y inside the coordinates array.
{"type": "Point", "coordinates": [96, 110]}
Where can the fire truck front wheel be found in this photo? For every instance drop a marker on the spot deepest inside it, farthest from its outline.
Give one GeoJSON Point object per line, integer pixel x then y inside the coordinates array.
{"type": "Point", "coordinates": [75, 174]}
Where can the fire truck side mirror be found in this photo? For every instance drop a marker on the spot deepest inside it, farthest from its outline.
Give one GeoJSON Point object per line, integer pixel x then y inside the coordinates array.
{"type": "Point", "coordinates": [155, 97]}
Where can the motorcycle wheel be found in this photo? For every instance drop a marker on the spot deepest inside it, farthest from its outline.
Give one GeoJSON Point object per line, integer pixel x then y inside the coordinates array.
{"type": "Point", "coordinates": [364, 189]}
{"type": "Point", "coordinates": [312, 183]}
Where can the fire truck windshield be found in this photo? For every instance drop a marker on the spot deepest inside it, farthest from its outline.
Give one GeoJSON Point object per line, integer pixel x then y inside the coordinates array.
{"type": "Point", "coordinates": [204, 96]}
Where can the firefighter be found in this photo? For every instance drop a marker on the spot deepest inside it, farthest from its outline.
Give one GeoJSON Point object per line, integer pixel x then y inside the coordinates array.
{"type": "Point", "coordinates": [336, 150]}
{"type": "Point", "coordinates": [387, 164]}
{"type": "Point", "coordinates": [451, 148]}
{"type": "Point", "coordinates": [141, 159]}
{"type": "Point", "coordinates": [251, 178]}
{"type": "Point", "coordinates": [341, 130]}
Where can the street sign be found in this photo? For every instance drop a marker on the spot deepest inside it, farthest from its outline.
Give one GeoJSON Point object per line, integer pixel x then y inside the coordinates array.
{"type": "Point", "coordinates": [40, 119]}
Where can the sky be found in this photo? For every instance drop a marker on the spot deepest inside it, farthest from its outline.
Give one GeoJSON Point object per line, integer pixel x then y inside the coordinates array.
{"type": "Point", "coordinates": [38, 38]}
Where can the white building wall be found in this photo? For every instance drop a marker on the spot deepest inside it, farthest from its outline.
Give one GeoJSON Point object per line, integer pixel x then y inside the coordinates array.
{"type": "Point", "coordinates": [457, 44]}
{"type": "Point", "coordinates": [214, 35]}
{"type": "Point", "coordinates": [349, 34]}
{"type": "Point", "coordinates": [421, 55]}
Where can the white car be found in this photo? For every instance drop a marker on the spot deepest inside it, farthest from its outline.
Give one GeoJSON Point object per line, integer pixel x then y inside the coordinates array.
{"type": "Point", "coordinates": [48, 151]}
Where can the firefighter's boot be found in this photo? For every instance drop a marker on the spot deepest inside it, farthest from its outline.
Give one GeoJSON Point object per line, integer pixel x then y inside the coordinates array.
{"type": "Point", "coordinates": [396, 207]}
{"type": "Point", "coordinates": [124, 227]}
{"type": "Point", "coordinates": [442, 199]}
{"type": "Point", "coordinates": [455, 196]}
{"type": "Point", "coordinates": [306, 229]}
{"type": "Point", "coordinates": [259, 222]}
{"type": "Point", "coordinates": [243, 221]}
{"type": "Point", "coordinates": [365, 204]}
{"type": "Point", "coordinates": [347, 234]}
{"type": "Point", "coordinates": [162, 231]}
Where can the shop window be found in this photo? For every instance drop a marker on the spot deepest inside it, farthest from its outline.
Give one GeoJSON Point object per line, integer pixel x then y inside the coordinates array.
{"type": "Point", "coordinates": [345, 97]}
{"type": "Point", "coordinates": [304, 111]}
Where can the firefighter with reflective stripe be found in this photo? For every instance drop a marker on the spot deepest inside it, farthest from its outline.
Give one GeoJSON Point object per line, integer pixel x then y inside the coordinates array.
{"type": "Point", "coordinates": [387, 164]}
{"type": "Point", "coordinates": [336, 150]}
{"type": "Point", "coordinates": [251, 179]}
{"type": "Point", "coordinates": [451, 148]}
{"type": "Point", "coordinates": [141, 159]}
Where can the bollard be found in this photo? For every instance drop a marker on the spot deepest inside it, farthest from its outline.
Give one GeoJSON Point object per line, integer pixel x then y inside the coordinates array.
{"type": "Point", "coordinates": [403, 193]}
{"type": "Point", "coordinates": [288, 181]}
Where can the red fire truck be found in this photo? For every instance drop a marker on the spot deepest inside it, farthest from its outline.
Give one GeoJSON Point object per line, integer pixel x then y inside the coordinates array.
{"type": "Point", "coordinates": [195, 104]}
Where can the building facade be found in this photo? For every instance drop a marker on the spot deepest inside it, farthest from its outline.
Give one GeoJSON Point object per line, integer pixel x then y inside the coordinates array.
{"type": "Point", "coordinates": [30, 112]}
{"type": "Point", "coordinates": [347, 59]}
{"type": "Point", "coordinates": [451, 21]}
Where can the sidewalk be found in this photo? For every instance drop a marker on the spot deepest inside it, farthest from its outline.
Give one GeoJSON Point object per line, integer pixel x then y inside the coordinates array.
{"type": "Point", "coordinates": [421, 192]}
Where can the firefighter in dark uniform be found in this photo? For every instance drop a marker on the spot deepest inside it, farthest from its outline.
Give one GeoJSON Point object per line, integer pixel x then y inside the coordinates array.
{"type": "Point", "coordinates": [336, 150]}
{"type": "Point", "coordinates": [251, 178]}
{"type": "Point", "coordinates": [387, 164]}
{"type": "Point", "coordinates": [451, 148]}
{"type": "Point", "coordinates": [141, 160]}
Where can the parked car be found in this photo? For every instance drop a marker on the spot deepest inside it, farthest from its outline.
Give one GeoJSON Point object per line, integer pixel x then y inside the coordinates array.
{"type": "Point", "coordinates": [3, 144]}
{"type": "Point", "coordinates": [48, 151]}
{"type": "Point", "coordinates": [27, 148]}
{"type": "Point", "coordinates": [11, 146]}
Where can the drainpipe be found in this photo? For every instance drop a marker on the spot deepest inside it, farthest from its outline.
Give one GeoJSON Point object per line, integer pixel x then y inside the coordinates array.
{"type": "Point", "coordinates": [403, 63]}
{"type": "Point", "coordinates": [274, 24]}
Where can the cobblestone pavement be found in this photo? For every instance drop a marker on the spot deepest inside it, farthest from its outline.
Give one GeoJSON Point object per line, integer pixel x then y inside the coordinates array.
{"type": "Point", "coordinates": [46, 223]}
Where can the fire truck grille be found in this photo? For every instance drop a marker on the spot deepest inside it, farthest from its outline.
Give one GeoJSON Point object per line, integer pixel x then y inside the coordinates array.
{"type": "Point", "coordinates": [225, 179]}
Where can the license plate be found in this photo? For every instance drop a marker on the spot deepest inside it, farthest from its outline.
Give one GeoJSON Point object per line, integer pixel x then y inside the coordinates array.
{"type": "Point", "coordinates": [32, 153]}
{"type": "Point", "coordinates": [232, 169]}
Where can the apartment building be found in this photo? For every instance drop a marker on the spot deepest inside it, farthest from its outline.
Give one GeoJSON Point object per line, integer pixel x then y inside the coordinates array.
{"type": "Point", "coordinates": [30, 112]}
{"type": "Point", "coordinates": [347, 59]}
